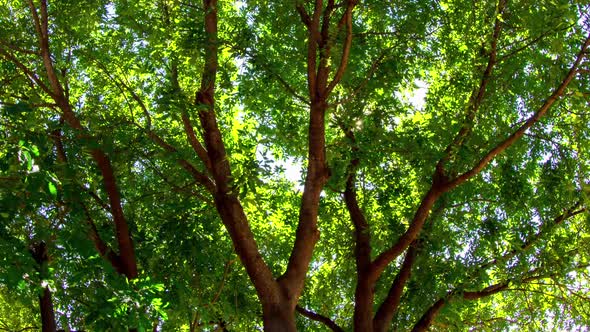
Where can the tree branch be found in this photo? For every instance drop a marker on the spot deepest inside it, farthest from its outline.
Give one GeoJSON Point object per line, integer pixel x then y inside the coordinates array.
{"type": "Point", "coordinates": [263, 63]}
{"type": "Point", "coordinates": [186, 121]}
{"type": "Point", "coordinates": [404, 241]}
{"type": "Point", "coordinates": [529, 122]}
{"type": "Point", "coordinates": [122, 86]}
{"type": "Point", "coordinates": [28, 72]}
{"type": "Point", "coordinates": [441, 184]}
{"type": "Point", "coordinates": [346, 49]}
{"type": "Point", "coordinates": [476, 97]}
{"type": "Point", "coordinates": [389, 306]}
{"type": "Point", "coordinates": [303, 14]}
{"type": "Point", "coordinates": [223, 279]}
{"type": "Point", "coordinates": [374, 66]}
{"type": "Point", "coordinates": [319, 318]}
{"type": "Point", "coordinates": [194, 141]}
{"type": "Point", "coordinates": [200, 177]}
{"type": "Point", "coordinates": [103, 249]}
{"type": "Point", "coordinates": [426, 320]}
{"type": "Point", "coordinates": [431, 313]}
{"type": "Point", "coordinates": [127, 252]}
{"type": "Point", "coordinates": [226, 202]}
{"type": "Point", "coordinates": [531, 241]}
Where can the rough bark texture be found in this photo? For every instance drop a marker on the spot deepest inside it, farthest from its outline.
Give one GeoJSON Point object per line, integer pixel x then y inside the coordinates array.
{"type": "Point", "coordinates": [278, 318]}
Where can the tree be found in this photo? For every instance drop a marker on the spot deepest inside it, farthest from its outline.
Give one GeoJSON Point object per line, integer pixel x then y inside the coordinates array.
{"type": "Point", "coordinates": [145, 143]}
{"type": "Point", "coordinates": [16, 313]}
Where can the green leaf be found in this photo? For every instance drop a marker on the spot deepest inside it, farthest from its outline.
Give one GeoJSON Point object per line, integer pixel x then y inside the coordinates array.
{"type": "Point", "coordinates": [52, 189]}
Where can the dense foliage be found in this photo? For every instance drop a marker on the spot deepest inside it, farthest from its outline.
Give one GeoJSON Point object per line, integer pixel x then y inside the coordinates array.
{"type": "Point", "coordinates": [294, 165]}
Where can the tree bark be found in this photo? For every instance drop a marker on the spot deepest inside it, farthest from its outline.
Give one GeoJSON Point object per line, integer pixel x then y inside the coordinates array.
{"type": "Point", "coordinates": [363, 307]}
{"type": "Point", "coordinates": [47, 313]}
{"type": "Point", "coordinates": [279, 318]}
{"type": "Point", "coordinates": [39, 253]}
{"type": "Point", "coordinates": [388, 308]}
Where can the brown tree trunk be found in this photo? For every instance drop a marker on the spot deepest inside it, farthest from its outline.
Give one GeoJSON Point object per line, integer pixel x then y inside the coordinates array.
{"type": "Point", "coordinates": [47, 313]}
{"type": "Point", "coordinates": [279, 318]}
{"type": "Point", "coordinates": [363, 307]}
{"type": "Point", "coordinates": [39, 253]}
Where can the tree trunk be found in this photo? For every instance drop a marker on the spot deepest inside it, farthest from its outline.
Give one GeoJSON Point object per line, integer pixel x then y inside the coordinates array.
{"type": "Point", "coordinates": [39, 252]}
{"type": "Point", "coordinates": [47, 313]}
{"type": "Point", "coordinates": [363, 309]}
{"type": "Point", "coordinates": [279, 318]}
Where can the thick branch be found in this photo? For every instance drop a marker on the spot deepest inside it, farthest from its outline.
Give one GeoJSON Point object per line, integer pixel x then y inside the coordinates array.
{"type": "Point", "coordinates": [303, 14]}
{"type": "Point", "coordinates": [41, 24]}
{"type": "Point", "coordinates": [127, 253]}
{"type": "Point", "coordinates": [441, 185]}
{"type": "Point", "coordinates": [186, 121]}
{"type": "Point", "coordinates": [428, 317]}
{"type": "Point", "coordinates": [319, 318]}
{"type": "Point", "coordinates": [194, 141]}
{"type": "Point", "coordinates": [385, 313]}
{"type": "Point", "coordinates": [314, 38]}
{"type": "Point", "coordinates": [226, 201]}
{"type": "Point", "coordinates": [410, 235]}
{"type": "Point", "coordinates": [488, 291]}
{"type": "Point", "coordinates": [426, 320]}
{"type": "Point", "coordinates": [36, 21]}
{"type": "Point", "coordinates": [361, 227]}
{"type": "Point", "coordinates": [345, 49]}
{"type": "Point", "coordinates": [430, 314]}
{"type": "Point", "coordinates": [364, 289]}
{"type": "Point", "coordinates": [307, 233]}
{"type": "Point", "coordinates": [103, 249]}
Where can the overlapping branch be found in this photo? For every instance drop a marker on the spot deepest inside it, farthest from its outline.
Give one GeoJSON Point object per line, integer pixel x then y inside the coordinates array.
{"type": "Point", "coordinates": [226, 201]}
{"type": "Point", "coordinates": [541, 111]}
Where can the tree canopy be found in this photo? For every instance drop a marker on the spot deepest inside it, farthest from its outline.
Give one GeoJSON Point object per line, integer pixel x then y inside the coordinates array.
{"type": "Point", "coordinates": [312, 165]}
